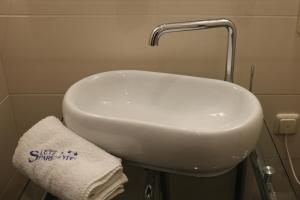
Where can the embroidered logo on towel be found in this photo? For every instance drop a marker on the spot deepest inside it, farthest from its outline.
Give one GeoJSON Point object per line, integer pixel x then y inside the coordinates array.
{"type": "Point", "coordinates": [49, 155]}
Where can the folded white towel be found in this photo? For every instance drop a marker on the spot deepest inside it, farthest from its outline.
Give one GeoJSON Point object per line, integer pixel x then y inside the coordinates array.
{"type": "Point", "coordinates": [67, 165]}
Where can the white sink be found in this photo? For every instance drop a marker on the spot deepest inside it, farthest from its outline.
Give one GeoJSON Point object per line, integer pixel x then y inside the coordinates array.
{"type": "Point", "coordinates": [170, 122]}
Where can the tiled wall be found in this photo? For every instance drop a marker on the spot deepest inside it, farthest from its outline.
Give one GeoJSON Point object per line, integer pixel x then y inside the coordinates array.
{"type": "Point", "coordinates": [11, 182]}
{"type": "Point", "coordinates": [47, 45]}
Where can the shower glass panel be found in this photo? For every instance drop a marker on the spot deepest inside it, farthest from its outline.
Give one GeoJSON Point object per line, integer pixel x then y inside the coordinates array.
{"type": "Point", "coordinates": [271, 181]}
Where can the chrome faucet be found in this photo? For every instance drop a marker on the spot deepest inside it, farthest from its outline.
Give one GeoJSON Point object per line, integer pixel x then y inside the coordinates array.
{"type": "Point", "coordinates": [202, 24]}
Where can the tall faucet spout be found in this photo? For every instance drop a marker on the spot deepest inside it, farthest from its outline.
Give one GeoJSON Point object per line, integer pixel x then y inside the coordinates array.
{"type": "Point", "coordinates": [198, 25]}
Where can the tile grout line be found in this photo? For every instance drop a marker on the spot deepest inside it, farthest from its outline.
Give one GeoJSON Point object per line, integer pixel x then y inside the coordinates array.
{"type": "Point", "coordinates": [28, 15]}
{"type": "Point", "coordinates": [37, 94]}
{"type": "Point", "coordinates": [60, 94]}
{"type": "Point", "coordinates": [279, 94]}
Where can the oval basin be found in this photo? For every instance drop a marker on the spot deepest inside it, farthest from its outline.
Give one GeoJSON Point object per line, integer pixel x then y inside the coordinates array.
{"type": "Point", "coordinates": [183, 124]}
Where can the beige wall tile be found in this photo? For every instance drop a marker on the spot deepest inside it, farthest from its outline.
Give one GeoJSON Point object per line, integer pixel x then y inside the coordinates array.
{"type": "Point", "coordinates": [265, 145]}
{"type": "Point", "coordinates": [296, 164]}
{"type": "Point", "coordinates": [8, 142]}
{"type": "Point", "coordinates": [4, 6]}
{"type": "Point", "coordinates": [275, 53]}
{"type": "Point", "coordinates": [274, 104]}
{"type": "Point", "coordinates": [259, 42]}
{"type": "Point", "coordinates": [3, 88]}
{"type": "Point", "coordinates": [39, 50]}
{"type": "Point", "coordinates": [196, 53]}
{"type": "Point", "coordinates": [119, 7]}
{"type": "Point", "coordinates": [228, 7]}
{"type": "Point", "coordinates": [48, 54]}
{"type": "Point", "coordinates": [3, 24]}
{"type": "Point", "coordinates": [29, 109]}
{"type": "Point", "coordinates": [83, 7]}
{"type": "Point", "coordinates": [298, 23]}
{"type": "Point", "coordinates": [14, 188]}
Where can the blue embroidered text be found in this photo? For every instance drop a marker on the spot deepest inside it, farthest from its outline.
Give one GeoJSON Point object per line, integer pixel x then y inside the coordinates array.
{"type": "Point", "coordinates": [49, 155]}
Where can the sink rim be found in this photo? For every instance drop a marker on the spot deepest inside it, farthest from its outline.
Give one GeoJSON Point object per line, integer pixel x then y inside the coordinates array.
{"type": "Point", "coordinates": [71, 105]}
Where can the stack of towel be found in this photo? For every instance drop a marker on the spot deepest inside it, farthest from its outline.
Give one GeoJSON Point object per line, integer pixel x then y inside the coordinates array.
{"type": "Point", "coordinates": [67, 165]}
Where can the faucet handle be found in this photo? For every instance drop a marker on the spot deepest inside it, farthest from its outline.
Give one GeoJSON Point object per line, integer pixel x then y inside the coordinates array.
{"type": "Point", "coordinates": [268, 171]}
